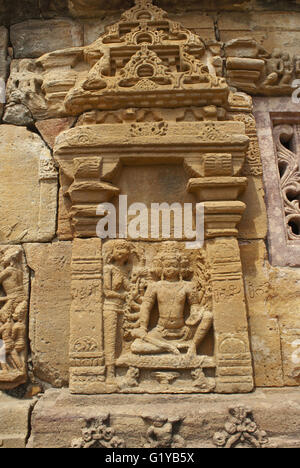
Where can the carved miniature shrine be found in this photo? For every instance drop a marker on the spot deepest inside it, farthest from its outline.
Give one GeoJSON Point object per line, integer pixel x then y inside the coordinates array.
{"type": "Point", "coordinates": [153, 113]}
{"type": "Point", "coordinates": [173, 110]}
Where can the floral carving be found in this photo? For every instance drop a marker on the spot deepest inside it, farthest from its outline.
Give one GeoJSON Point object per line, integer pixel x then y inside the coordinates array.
{"type": "Point", "coordinates": [241, 430]}
{"type": "Point", "coordinates": [149, 129]}
{"type": "Point", "coordinates": [98, 434]}
{"type": "Point", "coordinates": [85, 344]}
{"type": "Point", "coordinates": [47, 169]}
{"type": "Point", "coordinates": [289, 171]}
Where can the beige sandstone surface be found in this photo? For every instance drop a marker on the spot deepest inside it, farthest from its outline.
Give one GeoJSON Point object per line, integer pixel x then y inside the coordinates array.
{"type": "Point", "coordinates": [102, 101]}
{"type": "Point", "coordinates": [29, 187]}
{"type": "Point", "coordinates": [15, 416]}
{"type": "Point", "coordinates": [191, 422]}
{"type": "Point", "coordinates": [49, 321]}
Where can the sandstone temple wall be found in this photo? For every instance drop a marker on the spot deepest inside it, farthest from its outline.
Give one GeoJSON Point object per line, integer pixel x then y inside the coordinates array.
{"type": "Point", "coordinates": [46, 245]}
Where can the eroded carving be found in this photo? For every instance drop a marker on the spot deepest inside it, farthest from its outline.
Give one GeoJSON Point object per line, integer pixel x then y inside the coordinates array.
{"type": "Point", "coordinates": [116, 287]}
{"type": "Point", "coordinates": [47, 169]}
{"type": "Point", "coordinates": [13, 317]}
{"type": "Point", "coordinates": [253, 165]}
{"type": "Point", "coordinates": [98, 434]}
{"type": "Point", "coordinates": [251, 68]}
{"type": "Point", "coordinates": [203, 383]}
{"type": "Point", "coordinates": [241, 431]}
{"type": "Point", "coordinates": [24, 88]}
{"type": "Point", "coordinates": [163, 432]}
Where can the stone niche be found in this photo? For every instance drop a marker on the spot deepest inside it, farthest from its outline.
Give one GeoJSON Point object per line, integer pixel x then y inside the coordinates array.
{"type": "Point", "coordinates": [158, 124]}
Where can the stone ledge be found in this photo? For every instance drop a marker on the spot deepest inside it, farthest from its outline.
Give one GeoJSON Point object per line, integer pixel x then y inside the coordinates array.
{"type": "Point", "coordinates": [58, 418]}
{"type": "Point", "coordinates": [14, 421]}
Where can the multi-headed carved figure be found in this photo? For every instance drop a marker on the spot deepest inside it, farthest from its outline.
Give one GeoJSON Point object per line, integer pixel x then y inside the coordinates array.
{"type": "Point", "coordinates": [173, 332]}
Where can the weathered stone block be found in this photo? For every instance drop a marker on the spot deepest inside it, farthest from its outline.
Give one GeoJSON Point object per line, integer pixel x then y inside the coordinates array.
{"type": "Point", "coordinates": [264, 327]}
{"type": "Point", "coordinates": [93, 8]}
{"type": "Point", "coordinates": [34, 38]}
{"type": "Point", "coordinates": [94, 28]}
{"type": "Point", "coordinates": [3, 65]}
{"type": "Point", "coordinates": [201, 23]}
{"type": "Point", "coordinates": [51, 128]}
{"type": "Point", "coordinates": [3, 51]}
{"type": "Point", "coordinates": [49, 323]}
{"type": "Point", "coordinates": [254, 221]}
{"type": "Point", "coordinates": [14, 425]}
{"type": "Point", "coordinates": [192, 421]}
{"type": "Point", "coordinates": [18, 114]}
{"type": "Point", "coordinates": [28, 190]}
{"type": "Point", "coordinates": [271, 29]}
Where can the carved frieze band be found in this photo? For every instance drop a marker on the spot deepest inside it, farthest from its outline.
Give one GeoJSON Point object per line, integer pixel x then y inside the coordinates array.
{"type": "Point", "coordinates": [240, 431]}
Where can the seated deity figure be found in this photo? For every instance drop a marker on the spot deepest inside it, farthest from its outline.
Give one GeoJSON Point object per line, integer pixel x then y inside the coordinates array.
{"type": "Point", "coordinates": [174, 331]}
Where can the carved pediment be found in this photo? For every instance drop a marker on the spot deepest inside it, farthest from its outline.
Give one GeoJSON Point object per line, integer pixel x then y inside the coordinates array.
{"type": "Point", "coordinates": [143, 60]}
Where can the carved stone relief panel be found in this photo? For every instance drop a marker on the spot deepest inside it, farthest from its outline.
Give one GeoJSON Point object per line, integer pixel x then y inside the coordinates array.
{"type": "Point", "coordinates": [149, 347]}
{"type": "Point", "coordinates": [14, 290]}
{"type": "Point", "coordinates": [163, 432]}
{"type": "Point", "coordinates": [148, 99]}
{"type": "Point", "coordinates": [98, 434]}
{"type": "Point", "coordinates": [286, 138]}
{"type": "Point", "coordinates": [241, 431]}
{"type": "Point", "coordinates": [251, 68]}
{"type": "Point", "coordinates": [278, 130]}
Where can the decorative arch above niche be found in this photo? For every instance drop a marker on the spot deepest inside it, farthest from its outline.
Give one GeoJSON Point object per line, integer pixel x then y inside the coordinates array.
{"type": "Point", "coordinates": [146, 93]}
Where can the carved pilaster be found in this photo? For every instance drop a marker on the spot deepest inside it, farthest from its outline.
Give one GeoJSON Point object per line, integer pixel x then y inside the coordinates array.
{"type": "Point", "coordinates": [86, 334]}
{"type": "Point", "coordinates": [234, 365]}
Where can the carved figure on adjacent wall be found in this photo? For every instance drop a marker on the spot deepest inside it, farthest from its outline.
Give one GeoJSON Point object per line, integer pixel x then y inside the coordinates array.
{"type": "Point", "coordinates": [13, 311]}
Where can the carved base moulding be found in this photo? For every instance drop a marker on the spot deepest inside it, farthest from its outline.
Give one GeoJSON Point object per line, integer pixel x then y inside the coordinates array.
{"type": "Point", "coordinates": [255, 420]}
